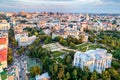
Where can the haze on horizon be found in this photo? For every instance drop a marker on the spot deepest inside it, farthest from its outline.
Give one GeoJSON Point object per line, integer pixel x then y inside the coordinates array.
{"type": "Point", "coordinates": [75, 6]}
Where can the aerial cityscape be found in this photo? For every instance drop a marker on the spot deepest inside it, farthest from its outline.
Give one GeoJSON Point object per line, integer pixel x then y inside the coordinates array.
{"type": "Point", "coordinates": [59, 40]}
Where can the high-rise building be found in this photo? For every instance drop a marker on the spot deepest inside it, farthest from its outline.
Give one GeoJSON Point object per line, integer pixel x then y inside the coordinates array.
{"type": "Point", "coordinates": [3, 54]}
{"type": "Point", "coordinates": [87, 17]}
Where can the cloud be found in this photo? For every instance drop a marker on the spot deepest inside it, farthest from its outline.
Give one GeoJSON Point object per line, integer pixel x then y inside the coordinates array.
{"type": "Point", "coordinates": [90, 2]}
{"type": "Point", "coordinates": [45, 1]}
{"type": "Point", "coordinates": [61, 5]}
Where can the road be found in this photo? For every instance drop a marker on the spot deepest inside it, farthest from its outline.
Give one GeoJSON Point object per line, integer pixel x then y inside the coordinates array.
{"type": "Point", "coordinates": [19, 61]}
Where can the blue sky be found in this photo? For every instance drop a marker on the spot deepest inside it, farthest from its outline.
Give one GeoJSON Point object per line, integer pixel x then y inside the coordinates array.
{"type": "Point", "coordinates": [84, 6]}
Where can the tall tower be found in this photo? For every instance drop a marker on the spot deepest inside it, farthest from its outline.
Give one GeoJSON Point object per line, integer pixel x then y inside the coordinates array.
{"type": "Point", "coordinates": [87, 17]}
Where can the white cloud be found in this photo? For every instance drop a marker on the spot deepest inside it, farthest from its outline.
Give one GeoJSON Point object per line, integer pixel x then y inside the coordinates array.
{"type": "Point", "coordinates": [45, 1]}
{"type": "Point", "coordinates": [67, 2]}
{"type": "Point", "coordinates": [93, 2]}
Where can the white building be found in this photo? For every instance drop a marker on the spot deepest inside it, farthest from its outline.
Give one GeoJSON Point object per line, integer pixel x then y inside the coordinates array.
{"type": "Point", "coordinates": [96, 60]}
{"type": "Point", "coordinates": [25, 40]}
{"type": "Point", "coordinates": [19, 35]}
{"type": "Point", "coordinates": [44, 76]}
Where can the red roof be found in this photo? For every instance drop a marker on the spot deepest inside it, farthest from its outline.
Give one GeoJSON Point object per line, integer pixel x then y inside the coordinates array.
{"type": "Point", "coordinates": [3, 40]}
{"type": "Point", "coordinates": [3, 55]}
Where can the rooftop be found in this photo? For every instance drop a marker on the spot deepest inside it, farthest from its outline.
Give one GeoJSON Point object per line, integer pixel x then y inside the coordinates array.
{"type": "Point", "coordinates": [3, 55]}
{"type": "Point", "coordinates": [3, 40]}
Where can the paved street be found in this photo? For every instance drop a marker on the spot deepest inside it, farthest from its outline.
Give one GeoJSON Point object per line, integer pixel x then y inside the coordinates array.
{"type": "Point", "coordinates": [19, 61]}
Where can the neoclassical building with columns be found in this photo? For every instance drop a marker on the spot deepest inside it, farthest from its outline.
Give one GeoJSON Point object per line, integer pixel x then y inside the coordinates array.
{"type": "Point", "coordinates": [96, 60]}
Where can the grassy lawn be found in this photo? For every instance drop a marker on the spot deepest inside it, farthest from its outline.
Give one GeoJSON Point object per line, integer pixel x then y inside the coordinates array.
{"type": "Point", "coordinates": [59, 60]}
{"type": "Point", "coordinates": [116, 64]}
{"type": "Point", "coordinates": [84, 44]}
{"type": "Point", "coordinates": [66, 51]}
{"type": "Point", "coordinates": [92, 46]}
{"type": "Point", "coordinates": [83, 47]}
{"type": "Point", "coordinates": [57, 53]}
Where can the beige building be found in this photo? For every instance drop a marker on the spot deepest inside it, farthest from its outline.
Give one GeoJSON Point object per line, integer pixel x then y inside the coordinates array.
{"type": "Point", "coordinates": [18, 30]}
{"type": "Point", "coordinates": [25, 40]}
{"type": "Point", "coordinates": [4, 25]}
{"type": "Point", "coordinates": [8, 14]}
{"type": "Point", "coordinates": [59, 33]}
{"type": "Point", "coordinates": [42, 24]}
{"type": "Point", "coordinates": [13, 73]}
{"type": "Point", "coordinates": [84, 25]}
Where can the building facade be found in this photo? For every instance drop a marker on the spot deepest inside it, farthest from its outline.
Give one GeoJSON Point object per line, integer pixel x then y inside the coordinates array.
{"type": "Point", "coordinates": [25, 40]}
{"type": "Point", "coordinates": [3, 54]}
{"type": "Point", "coordinates": [96, 60]}
{"type": "Point", "coordinates": [4, 25]}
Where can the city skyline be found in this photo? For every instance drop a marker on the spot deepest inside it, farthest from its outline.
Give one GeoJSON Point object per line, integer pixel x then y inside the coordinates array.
{"type": "Point", "coordinates": [74, 6]}
{"type": "Point", "coordinates": [59, 40]}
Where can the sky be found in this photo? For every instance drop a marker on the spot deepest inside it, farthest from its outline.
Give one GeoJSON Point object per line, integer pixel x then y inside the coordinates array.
{"type": "Point", "coordinates": [75, 6]}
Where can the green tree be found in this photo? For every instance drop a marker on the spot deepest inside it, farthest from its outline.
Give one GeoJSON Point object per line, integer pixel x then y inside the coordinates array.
{"type": "Point", "coordinates": [72, 45]}
{"type": "Point", "coordinates": [74, 73]}
{"type": "Point", "coordinates": [85, 73]}
{"type": "Point", "coordinates": [68, 76]}
{"type": "Point", "coordinates": [10, 51]}
{"type": "Point", "coordinates": [9, 56]}
{"type": "Point", "coordinates": [91, 39]}
{"type": "Point", "coordinates": [37, 41]}
{"type": "Point", "coordinates": [68, 59]}
{"type": "Point", "coordinates": [61, 73]}
{"type": "Point", "coordinates": [80, 40]}
{"type": "Point", "coordinates": [114, 74]}
{"type": "Point", "coordinates": [20, 51]}
{"type": "Point", "coordinates": [106, 75]}
{"type": "Point", "coordinates": [55, 68]}
{"type": "Point", "coordinates": [10, 59]}
{"type": "Point", "coordinates": [35, 70]}
{"type": "Point", "coordinates": [57, 39]}
{"type": "Point", "coordinates": [14, 42]}
{"type": "Point", "coordinates": [63, 42]}
{"type": "Point", "coordinates": [93, 76]}
{"type": "Point", "coordinates": [48, 40]}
